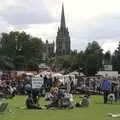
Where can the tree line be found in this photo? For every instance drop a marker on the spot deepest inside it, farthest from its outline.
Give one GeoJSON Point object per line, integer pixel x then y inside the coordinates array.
{"type": "Point", "coordinates": [89, 61]}
{"type": "Point", "coordinates": [21, 51]}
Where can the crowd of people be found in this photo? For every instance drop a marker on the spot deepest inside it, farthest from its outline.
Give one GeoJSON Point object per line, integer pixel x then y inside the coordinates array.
{"type": "Point", "coordinates": [59, 94]}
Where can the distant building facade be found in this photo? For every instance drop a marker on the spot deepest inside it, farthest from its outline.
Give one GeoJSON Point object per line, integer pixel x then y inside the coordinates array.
{"type": "Point", "coordinates": [63, 44]}
{"type": "Point", "coordinates": [49, 49]}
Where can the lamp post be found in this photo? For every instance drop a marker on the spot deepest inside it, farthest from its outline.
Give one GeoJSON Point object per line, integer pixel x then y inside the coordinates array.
{"type": "Point", "coordinates": [18, 48]}
{"type": "Point", "coordinates": [80, 70]}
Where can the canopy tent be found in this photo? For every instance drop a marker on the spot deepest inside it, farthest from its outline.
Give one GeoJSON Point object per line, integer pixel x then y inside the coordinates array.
{"type": "Point", "coordinates": [82, 75]}
{"type": "Point", "coordinates": [43, 65]}
{"type": "Point", "coordinates": [20, 72]}
{"type": "Point", "coordinates": [29, 73]}
{"type": "Point", "coordinates": [74, 73]}
{"type": "Point", "coordinates": [59, 76]}
{"type": "Point", "coordinates": [77, 73]}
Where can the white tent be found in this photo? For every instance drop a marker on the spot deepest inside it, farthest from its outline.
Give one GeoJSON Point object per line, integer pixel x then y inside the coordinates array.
{"type": "Point", "coordinates": [29, 74]}
{"type": "Point", "coordinates": [20, 72]}
{"type": "Point", "coordinates": [109, 73]}
{"type": "Point", "coordinates": [74, 73]}
{"type": "Point", "coordinates": [58, 76]}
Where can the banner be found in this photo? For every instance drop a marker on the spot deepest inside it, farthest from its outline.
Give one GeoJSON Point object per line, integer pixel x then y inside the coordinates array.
{"type": "Point", "coordinates": [108, 67]}
{"type": "Point", "coordinates": [37, 82]}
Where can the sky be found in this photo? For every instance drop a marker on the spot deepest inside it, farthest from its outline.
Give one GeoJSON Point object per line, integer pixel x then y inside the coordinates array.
{"type": "Point", "coordinates": [87, 20]}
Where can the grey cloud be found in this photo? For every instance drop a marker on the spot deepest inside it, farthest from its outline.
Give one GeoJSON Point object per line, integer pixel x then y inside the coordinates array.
{"type": "Point", "coordinates": [104, 29]}
{"type": "Point", "coordinates": [107, 27]}
{"type": "Point", "coordinates": [26, 12]}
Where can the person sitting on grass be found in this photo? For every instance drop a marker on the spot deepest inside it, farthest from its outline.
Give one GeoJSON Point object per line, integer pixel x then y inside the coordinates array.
{"type": "Point", "coordinates": [54, 98]}
{"type": "Point", "coordinates": [30, 103]}
{"type": "Point", "coordinates": [48, 97]}
{"type": "Point", "coordinates": [65, 100]}
{"type": "Point", "coordinates": [84, 102]}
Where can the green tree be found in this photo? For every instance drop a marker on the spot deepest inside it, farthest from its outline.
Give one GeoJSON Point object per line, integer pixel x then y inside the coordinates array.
{"type": "Point", "coordinates": [116, 59]}
{"type": "Point", "coordinates": [91, 65]}
{"type": "Point", "coordinates": [6, 63]}
{"type": "Point", "coordinates": [94, 55]}
{"type": "Point", "coordinates": [21, 47]}
{"type": "Point", "coordinates": [32, 65]}
{"type": "Point", "coordinates": [107, 57]}
{"type": "Point", "coordinates": [77, 61]}
{"type": "Point", "coordinates": [19, 62]}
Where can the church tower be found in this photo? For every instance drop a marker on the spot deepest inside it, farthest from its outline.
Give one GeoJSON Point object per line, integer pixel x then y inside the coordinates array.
{"type": "Point", "coordinates": [63, 45]}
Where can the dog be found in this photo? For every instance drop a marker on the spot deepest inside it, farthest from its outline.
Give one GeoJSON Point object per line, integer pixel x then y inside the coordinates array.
{"type": "Point", "coordinates": [111, 98]}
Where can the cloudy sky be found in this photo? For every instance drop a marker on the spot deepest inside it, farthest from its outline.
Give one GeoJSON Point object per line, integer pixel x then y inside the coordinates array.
{"type": "Point", "coordinates": [87, 20]}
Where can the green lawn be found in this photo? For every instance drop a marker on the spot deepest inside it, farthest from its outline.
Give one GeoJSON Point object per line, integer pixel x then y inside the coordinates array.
{"type": "Point", "coordinates": [97, 111]}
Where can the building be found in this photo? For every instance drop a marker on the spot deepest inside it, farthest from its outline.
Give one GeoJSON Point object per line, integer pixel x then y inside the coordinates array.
{"type": "Point", "coordinates": [63, 44]}
{"type": "Point", "coordinates": [49, 49]}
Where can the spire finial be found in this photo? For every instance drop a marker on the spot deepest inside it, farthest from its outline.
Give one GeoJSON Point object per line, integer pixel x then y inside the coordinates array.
{"type": "Point", "coordinates": [63, 17]}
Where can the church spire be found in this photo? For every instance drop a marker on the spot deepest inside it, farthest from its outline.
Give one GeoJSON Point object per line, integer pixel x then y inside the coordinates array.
{"type": "Point", "coordinates": [63, 25]}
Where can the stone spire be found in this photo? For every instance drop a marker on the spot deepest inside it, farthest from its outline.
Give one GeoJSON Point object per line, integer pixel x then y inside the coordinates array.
{"type": "Point", "coordinates": [63, 44]}
{"type": "Point", "coordinates": [63, 25]}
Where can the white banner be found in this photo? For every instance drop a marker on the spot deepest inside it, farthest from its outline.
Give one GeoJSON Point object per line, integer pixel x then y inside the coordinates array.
{"type": "Point", "coordinates": [37, 82]}
{"type": "Point", "coordinates": [109, 73]}
{"type": "Point", "coordinates": [108, 67]}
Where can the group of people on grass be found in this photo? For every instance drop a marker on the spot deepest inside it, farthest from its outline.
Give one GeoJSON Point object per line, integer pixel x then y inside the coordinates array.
{"type": "Point", "coordinates": [59, 95]}
{"type": "Point", "coordinates": [58, 98]}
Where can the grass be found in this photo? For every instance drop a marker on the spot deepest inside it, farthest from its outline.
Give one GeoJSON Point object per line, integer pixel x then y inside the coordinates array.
{"type": "Point", "coordinates": [97, 111]}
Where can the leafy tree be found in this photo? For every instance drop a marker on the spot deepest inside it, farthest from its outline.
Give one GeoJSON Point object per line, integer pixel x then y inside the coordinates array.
{"type": "Point", "coordinates": [116, 59]}
{"type": "Point", "coordinates": [6, 63]}
{"type": "Point", "coordinates": [93, 58]}
{"type": "Point", "coordinates": [91, 65]}
{"type": "Point", "coordinates": [107, 57]}
{"type": "Point", "coordinates": [19, 62]}
{"type": "Point", "coordinates": [77, 61]}
{"type": "Point", "coordinates": [21, 47]}
{"type": "Point", "coordinates": [32, 65]}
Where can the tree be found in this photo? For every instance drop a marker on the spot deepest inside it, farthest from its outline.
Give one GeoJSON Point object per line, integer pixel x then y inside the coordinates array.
{"type": "Point", "coordinates": [6, 63]}
{"type": "Point", "coordinates": [32, 65]}
{"type": "Point", "coordinates": [8, 42]}
{"type": "Point", "coordinates": [37, 47]}
{"type": "Point", "coordinates": [93, 58]}
{"type": "Point", "coordinates": [107, 57]}
{"type": "Point", "coordinates": [19, 62]}
{"type": "Point", "coordinates": [91, 65]}
{"type": "Point", "coordinates": [21, 47]}
{"type": "Point", "coordinates": [116, 59]}
{"type": "Point", "coordinates": [77, 61]}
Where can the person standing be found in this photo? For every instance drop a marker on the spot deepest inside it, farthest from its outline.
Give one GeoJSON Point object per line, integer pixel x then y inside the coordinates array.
{"type": "Point", "coordinates": [69, 84]}
{"type": "Point", "coordinates": [116, 93]}
{"type": "Point", "coordinates": [106, 87]}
